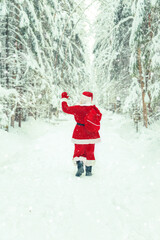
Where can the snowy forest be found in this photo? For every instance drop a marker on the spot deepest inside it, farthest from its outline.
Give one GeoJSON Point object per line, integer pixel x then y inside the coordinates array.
{"type": "Point", "coordinates": [128, 57]}
{"type": "Point", "coordinates": [43, 51]}
{"type": "Point", "coordinates": [98, 61]}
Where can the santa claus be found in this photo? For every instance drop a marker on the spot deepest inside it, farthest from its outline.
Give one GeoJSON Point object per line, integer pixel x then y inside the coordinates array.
{"type": "Point", "coordinates": [85, 134]}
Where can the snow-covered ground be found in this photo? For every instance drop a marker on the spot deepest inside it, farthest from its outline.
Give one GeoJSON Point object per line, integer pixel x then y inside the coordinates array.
{"type": "Point", "coordinates": [41, 199]}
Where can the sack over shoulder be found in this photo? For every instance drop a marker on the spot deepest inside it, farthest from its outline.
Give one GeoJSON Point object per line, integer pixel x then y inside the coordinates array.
{"type": "Point", "coordinates": [92, 120]}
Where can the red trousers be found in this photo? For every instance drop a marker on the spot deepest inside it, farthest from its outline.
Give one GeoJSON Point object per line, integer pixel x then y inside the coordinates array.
{"type": "Point", "coordinates": [85, 153]}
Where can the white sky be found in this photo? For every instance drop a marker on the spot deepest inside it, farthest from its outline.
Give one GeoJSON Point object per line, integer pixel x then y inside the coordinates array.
{"type": "Point", "coordinates": [91, 14]}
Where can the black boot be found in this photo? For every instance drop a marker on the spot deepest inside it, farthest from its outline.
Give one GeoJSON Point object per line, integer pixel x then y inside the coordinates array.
{"type": "Point", "coordinates": [89, 171]}
{"type": "Point", "coordinates": [80, 168]}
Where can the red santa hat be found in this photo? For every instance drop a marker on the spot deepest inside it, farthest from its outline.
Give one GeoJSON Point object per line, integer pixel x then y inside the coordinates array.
{"type": "Point", "coordinates": [89, 95]}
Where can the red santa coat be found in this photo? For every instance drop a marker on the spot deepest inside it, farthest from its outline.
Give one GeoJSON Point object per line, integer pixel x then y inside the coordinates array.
{"type": "Point", "coordinates": [80, 133]}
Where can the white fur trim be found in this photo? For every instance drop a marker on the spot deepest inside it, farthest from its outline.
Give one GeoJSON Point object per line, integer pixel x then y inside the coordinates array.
{"type": "Point", "coordinates": [86, 104]}
{"type": "Point", "coordinates": [86, 162]}
{"type": "Point", "coordinates": [89, 163]}
{"type": "Point", "coordinates": [85, 97]}
{"type": "Point", "coordinates": [85, 141]}
{"type": "Point", "coordinates": [64, 100]}
{"type": "Point", "coordinates": [83, 159]}
{"type": "Point", "coordinates": [93, 123]}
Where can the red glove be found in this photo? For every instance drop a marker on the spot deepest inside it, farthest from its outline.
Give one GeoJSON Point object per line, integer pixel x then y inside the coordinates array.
{"type": "Point", "coordinates": [64, 95]}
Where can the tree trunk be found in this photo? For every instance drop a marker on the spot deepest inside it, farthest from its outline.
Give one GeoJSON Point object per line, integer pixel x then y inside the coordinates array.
{"type": "Point", "coordinates": [145, 120]}
{"type": "Point", "coordinates": [20, 118]}
{"type": "Point", "coordinates": [149, 67]}
{"type": "Point", "coordinates": [12, 120]}
{"type": "Point", "coordinates": [150, 25]}
{"type": "Point", "coordinates": [7, 51]}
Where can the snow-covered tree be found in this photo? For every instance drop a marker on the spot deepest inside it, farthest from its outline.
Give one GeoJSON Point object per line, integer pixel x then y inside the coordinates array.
{"type": "Point", "coordinates": [142, 44]}
{"type": "Point", "coordinates": [42, 53]}
{"type": "Point", "coordinates": [112, 50]}
{"type": "Point", "coordinates": [127, 55]}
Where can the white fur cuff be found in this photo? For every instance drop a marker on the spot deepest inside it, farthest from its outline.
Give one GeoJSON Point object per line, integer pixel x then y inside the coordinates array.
{"type": "Point", "coordinates": [64, 100]}
{"type": "Point", "coordinates": [86, 162]}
